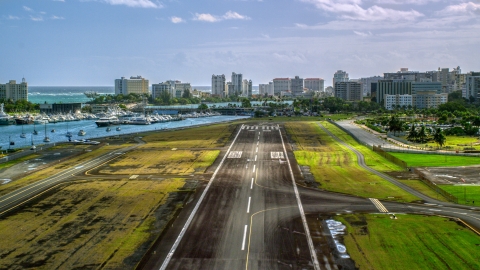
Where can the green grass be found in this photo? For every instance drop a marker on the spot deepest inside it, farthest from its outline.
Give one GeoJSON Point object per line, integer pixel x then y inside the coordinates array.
{"type": "Point", "coordinates": [418, 242]}
{"type": "Point", "coordinates": [335, 168]}
{"type": "Point", "coordinates": [423, 188]}
{"type": "Point", "coordinates": [469, 195]}
{"type": "Point", "coordinates": [434, 160]}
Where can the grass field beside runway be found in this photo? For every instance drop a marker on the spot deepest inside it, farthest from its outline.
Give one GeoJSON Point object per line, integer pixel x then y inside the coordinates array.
{"type": "Point", "coordinates": [336, 168]}
{"type": "Point", "coordinates": [418, 242]}
{"type": "Point", "coordinates": [466, 194]}
{"type": "Point", "coordinates": [84, 225]}
{"type": "Point", "coordinates": [433, 160]}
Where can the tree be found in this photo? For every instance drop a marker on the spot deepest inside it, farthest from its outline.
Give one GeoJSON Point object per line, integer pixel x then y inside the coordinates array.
{"type": "Point", "coordinates": [165, 97]}
{"type": "Point", "coordinates": [395, 125]}
{"type": "Point", "coordinates": [412, 134]}
{"type": "Point", "coordinates": [422, 135]}
{"type": "Point", "coordinates": [186, 93]}
{"type": "Point", "coordinates": [202, 107]}
{"type": "Point", "coordinates": [246, 103]}
{"type": "Point", "coordinates": [439, 137]}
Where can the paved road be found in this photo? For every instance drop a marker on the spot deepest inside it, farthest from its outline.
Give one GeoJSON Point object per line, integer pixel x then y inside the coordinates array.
{"type": "Point", "coordinates": [24, 194]}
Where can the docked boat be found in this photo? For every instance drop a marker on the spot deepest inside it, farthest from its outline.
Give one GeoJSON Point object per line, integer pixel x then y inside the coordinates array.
{"type": "Point", "coordinates": [26, 120]}
{"type": "Point", "coordinates": [53, 131]}
{"type": "Point", "coordinates": [139, 120]}
{"type": "Point", "coordinates": [47, 139]}
{"type": "Point", "coordinates": [107, 121]}
{"type": "Point", "coordinates": [82, 132]}
{"type": "Point", "coordinates": [5, 119]}
{"type": "Point", "coordinates": [118, 129]}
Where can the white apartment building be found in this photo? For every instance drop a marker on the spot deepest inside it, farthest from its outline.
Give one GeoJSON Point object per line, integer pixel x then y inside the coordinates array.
{"type": "Point", "coordinates": [237, 83]}
{"type": "Point", "coordinates": [14, 91]}
{"type": "Point", "coordinates": [174, 87]}
{"type": "Point", "coordinates": [340, 76]}
{"type": "Point", "coordinates": [398, 101]}
{"type": "Point", "coordinates": [428, 99]}
{"type": "Point", "coordinates": [218, 86]}
{"type": "Point", "coordinates": [281, 85]}
{"type": "Point", "coordinates": [314, 84]}
{"type": "Point", "coordinates": [137, 85]}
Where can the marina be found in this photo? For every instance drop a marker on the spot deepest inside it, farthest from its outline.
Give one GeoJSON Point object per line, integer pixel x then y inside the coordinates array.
{"type": "Point", "coordinates": [58, 131]}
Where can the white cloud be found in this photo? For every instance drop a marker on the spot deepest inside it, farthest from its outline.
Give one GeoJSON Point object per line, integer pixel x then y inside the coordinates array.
{"type": "Point", "coordinates": [363, 34]}
{"type": "Point", "coordinates": [27, 8]}
{"type": "Point", "coordinates": [58, 0]}
{"type": "Point", "coordinates": [176, 19]}
{"type": "Point", "coordinates": [134, 3]}
{"type": "Point", "coordinates": [57, 18]}
{"type": "Point", "coordinates": [205, 17]}
{"type": "Point", "coordinates": [352, 10]}
{"type": "Point", "coordinates": [403, 2]}
{"type": "Point", "coordinates": [230, 15]}
{"type": "Point", "coordinates": [10, 17]}
{"type": "Point", "coordinates": [36, 18]}
{"type": "Point", "coordinates": [462, 8]}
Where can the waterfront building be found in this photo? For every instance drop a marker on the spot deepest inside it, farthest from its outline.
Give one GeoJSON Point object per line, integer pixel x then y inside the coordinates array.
{"type": "Point", "coordinates": [349, 91]}
{"type": "Point", "coordinates": [13, 91]}
{"type": "Point", "coordinates": [340, 76]}
{"type": "Point", "coordinates": [218, 85]}
{"type": "Point", "coordinates": [137, 85]}
{"type": "Point", "coordinates": [281, 85]}
{"type": "Point", "coordinates": [237, 83]}
{"type": "Point", "coordinates": [296, 86]}
{"type": "Point", "coordinates": [314, 84]}
{"type": "Point", "coordinates": [263, 89]}
{"type": "Point", "coordinates": [61, 108]}
{"type": "Point", "coordinates": [174, 87]}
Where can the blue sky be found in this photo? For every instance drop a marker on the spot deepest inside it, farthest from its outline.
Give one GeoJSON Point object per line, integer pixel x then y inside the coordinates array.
{"type": "Point", "coordinates": [93, 42]}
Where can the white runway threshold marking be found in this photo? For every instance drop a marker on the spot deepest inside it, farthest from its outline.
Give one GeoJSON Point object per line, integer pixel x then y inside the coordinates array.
{"type": "Point", "coordinates": [275, 155]}
{"type": "Point", "coordinates": [378, 205]}
{"type": "Point", "coordinates": [235, 154]}
{"type": "Point", "coordinates": [244, 237]}
{"type": "Point", "coordinates": [195, 209]}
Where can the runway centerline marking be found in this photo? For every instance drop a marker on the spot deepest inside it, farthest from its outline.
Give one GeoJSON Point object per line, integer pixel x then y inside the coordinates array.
{"type": "Point", "coordinates": [256, 151]}
{"type": "Point", "coordinates": [251, 185]}
{"type": "Point", "coordinates": [248, 207]}
{"type": "Point", "coordinates": [253, 168]}
{"type": "Point", "coordinates": [244, 237]}
{"type": "Point", "coordinates": [255, 157]}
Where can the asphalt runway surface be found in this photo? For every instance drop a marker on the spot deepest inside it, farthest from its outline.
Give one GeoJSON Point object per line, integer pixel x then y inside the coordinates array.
{"type": "Point", "coordinates": [249, 217]}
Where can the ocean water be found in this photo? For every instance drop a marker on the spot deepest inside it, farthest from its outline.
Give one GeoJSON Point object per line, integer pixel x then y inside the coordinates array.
{"type": "Point", "coordinates": [64, 94]}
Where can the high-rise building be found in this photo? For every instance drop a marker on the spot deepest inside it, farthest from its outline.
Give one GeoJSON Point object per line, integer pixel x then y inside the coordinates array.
{"type": "Point", "coordinates": [263, 89]}
{"type": "Point", "coordinates": [237, 82]}
{"type": "Point", "coordinates": [281, 85]}
{"type": "Point", "coordinates": [367, 84]}
{"type": "Point", "coordinates": [314, 84]}
{"type": "Point", "coordinates": [218, 85]}
{"type": "Point", "coordinates": [392, 87]}
{"type": "Point", "coordinates": [472, 84]}
{"type": "Point", "coordinates": [249, 88]}
{"type": "Point", "coordinates": [136, 85]}
{"type": "Point", "coordinates": [340, 76]}
{"type": "Point", "coordinates": [428, 99]}
{"type": "Point", "coordinates": [174, 87]}
{"type": "Point", "coordinates": [296, 86]}
{"type": "Point", "coordinates": [13, 91]}
{"type": "Point", "coordinates": [229, 90]}
{"type": "Point", "coordinates": [350, 91]}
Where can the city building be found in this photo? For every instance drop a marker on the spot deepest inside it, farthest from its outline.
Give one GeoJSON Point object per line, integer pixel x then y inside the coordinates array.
{"type": "Point", "coordinates": [61, 108]}
{"type": "Point", "coordinates": [229, 89]}
{"type": "Point", "coordinates": [349, 91]}
{"type": "Point", "coordinates": [263, 89]}
{"type": "Point", "coordinates": [296, 86]}
{"type": "Point", "coordinates": [281, 85]}
{"type": "Point", "coordinates": [247, 88]}
{"type": "Point", "coordinates": [314, 84]}
{"type": "Point", "coordinates": [392, 87]}
{"type": "Point", "coordinates": [427, 86]}
{"type": "Point", "coordinates": [237, 83]}
{"type": "Point", "coordinates": [13, 91]}
{"type": "Point", "coordinates": [398, 101]}
{"type": "Point", "coordinates": [472, 86]}
{"type": "Point", "coordinates": [136, 85]}
{"type": "Point", "coordinates": [340, 76]}
{"type": "Point", "coordinates": [218, 86]}
{"type": "Point", "coordinates": [174, 87]}
{"type": "Point", "coordinates": [428, 99]}
{"type": "Point", "coordinates": [367, 84]}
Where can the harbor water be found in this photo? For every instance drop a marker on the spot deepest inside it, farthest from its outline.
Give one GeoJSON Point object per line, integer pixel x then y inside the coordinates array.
{"type": "Point", "coordinates": [12, 132]}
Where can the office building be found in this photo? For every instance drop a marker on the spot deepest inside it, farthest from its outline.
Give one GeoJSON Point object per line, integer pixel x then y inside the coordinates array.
{"type": "Point", "coordinates": [472, 86]}
{"type": "Point", "coordinates": [174, 87]}
{"type": "Point", "coordinates": [428, 99]}
{"type": "Point", "coordinates": [349, 91]}
{"type": "Point", "coordinates": [314, 84]}
{"type": "Point", "coordinates": [218, 85]}
{"type": "Point", "coordinates": [398, 102]}
{"type": "Point", "coordinates": [136, 85]}
{"type": "Point", "coordinates": [13, 91]}
{"type": "Point", "coordinates": [296, 86]}
{"type": "Point", "coordinates": [340, 76]}
{"type": "Point", "coordinates": [367, 84]}
{"type": "Point", "coordinates": [392, 87]}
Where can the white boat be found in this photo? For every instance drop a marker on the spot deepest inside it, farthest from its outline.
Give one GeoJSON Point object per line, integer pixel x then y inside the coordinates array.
{"type": "Point", "coordinates": [107, 121]}
{"type": "Point", "coordinates": [139, 120]}
{"type": "Point", "coordinates": [118, 128]}
{"type": "Point", "coordinates": [46, 139]}
{"type": "Point", "coordinates": [109, 129]}
{"type": "Point", "coordinates": [82, 132]}
{"type": "Point", "coordinates": [5, 119]}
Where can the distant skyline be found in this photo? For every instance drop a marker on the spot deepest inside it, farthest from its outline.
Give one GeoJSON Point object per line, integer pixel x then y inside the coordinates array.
{"type": "Point", "coordinates": [94, 42]}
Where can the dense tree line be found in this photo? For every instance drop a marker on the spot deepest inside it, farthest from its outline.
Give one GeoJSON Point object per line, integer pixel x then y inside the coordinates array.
{"type": "Point", "coordinates": [19, 106]}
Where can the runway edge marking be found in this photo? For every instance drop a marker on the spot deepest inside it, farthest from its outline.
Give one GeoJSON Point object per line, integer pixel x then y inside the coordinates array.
{"type": "Point", "coordinates": [194, 211]}
{"type": "Point", "coordinates": [316, 264]}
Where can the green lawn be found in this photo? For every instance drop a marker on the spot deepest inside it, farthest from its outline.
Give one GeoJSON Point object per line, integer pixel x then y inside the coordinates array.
{"type": "Point", "coordinates": [469, 195]}
{"type": "Point", "coordinates": [418, 242]}
{"type": "Point", "coordinates": [434, 160]}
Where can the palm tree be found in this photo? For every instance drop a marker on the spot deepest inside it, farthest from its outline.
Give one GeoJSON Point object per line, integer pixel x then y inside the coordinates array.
{"type": "Point", "coordinates": [439, 137]}
{"type": "Point", "coordinates": [412, 134]}
{"type": "Point", "coordinates": [422, 134]}
{"type": "Point", "coordinates": [395, 125]}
